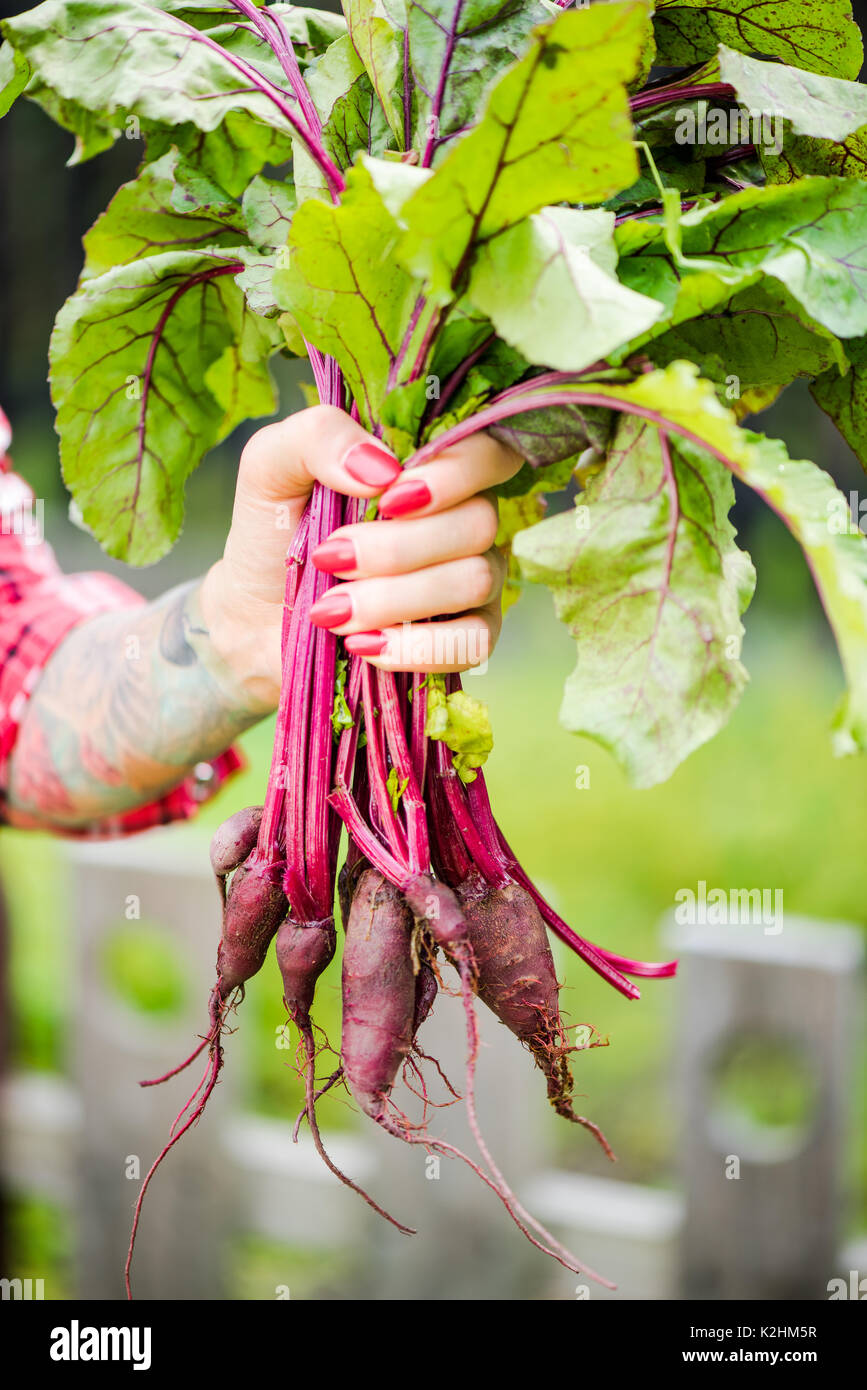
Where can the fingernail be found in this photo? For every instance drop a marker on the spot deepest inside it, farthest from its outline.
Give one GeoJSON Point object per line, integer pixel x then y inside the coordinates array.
{"type": "Point", "coordinates": [331, 610]}
{"type": "Point", "coordinates": [333, 556]}
{"type": "Point", "coordinates": [366, 643]}
{"type": "Point", "coordinates": [409, 496]}
{"type": "Point", "coordinates": [370, 464]}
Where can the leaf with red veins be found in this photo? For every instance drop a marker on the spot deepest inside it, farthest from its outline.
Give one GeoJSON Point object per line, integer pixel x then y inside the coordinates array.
{"type": "Point", "coordinates": [646, 574]}
{"type": "Point", "coordinates": [268, 207]}
{"type": "Point", "coordinates": [821, 36]}
{"type": "Point", "coordinates": [158, 212]}
{"type": "Point", "coordinates": [556, 128]}
{"type": "Point", "coordinates": [352, 118]}
{"type": "Point", "coordinates": [378, 29]}
{"type": "Point", "coordinates": [456, 49]}
{"type": "Point", "coordinates": [128, 56]}
{"type": "Point", "coordinates": [345, 290]}
{"type": "Point", "coordinates": [127, 67]}
{"type": "Point", "coordinates": [132, 354]}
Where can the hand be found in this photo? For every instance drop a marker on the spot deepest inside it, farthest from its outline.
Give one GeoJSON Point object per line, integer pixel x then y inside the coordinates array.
{"type": "Point", "coordinates": [431, 554]}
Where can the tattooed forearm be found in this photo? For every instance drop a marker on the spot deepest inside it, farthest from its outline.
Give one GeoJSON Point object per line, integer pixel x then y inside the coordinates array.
{"type": "Point", "coordinates": [126, 706]}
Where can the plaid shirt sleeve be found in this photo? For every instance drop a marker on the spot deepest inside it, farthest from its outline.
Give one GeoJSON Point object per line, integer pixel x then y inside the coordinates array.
{"type": "Point", "coordinates": [39, 605]}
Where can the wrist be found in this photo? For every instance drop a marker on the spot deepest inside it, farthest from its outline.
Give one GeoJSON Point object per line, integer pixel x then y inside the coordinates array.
{"type": "Point", "coordinates": [244, 644]}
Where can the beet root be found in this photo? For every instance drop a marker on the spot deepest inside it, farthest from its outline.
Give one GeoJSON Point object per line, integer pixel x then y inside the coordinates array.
{"type": "Point", "coordinates": [379, 991]}
{"type": "Point", "coordinates": [304, 950]}
{"type": "Point", "coordinates": [517, 981]}
{"type": "Point", "coordinates": [233, 842]}
{"type": "Point", "coordinates": [255, 907]}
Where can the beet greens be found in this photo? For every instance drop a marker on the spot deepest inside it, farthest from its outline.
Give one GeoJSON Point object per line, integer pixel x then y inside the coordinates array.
{"type": "Point", "coordinates": [471, 214]}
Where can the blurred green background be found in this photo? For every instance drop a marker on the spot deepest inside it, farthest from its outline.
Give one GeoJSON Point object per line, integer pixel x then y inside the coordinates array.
{"type": "Point", "coordinates": [765, 804]}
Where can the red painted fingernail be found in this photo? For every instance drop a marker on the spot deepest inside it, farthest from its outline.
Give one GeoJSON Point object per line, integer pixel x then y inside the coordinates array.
{"type": "Point", "coordinates": [366, 643]}
{"type": "Point", "coordinates": [370, 464]}
{"type": "Point", "coordinates": [409, 496]}
{"type": "Point", "coordinates": [333, 556]}
{"type": "Point", "coordinates": [331, 610]}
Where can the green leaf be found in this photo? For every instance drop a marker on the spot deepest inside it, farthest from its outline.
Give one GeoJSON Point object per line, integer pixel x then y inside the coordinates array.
{"type": "Point", "coordinates": [14, 75]}
{"type": "Point", "coordinates": [521, 507]}
{"type": "Point", "coordinates": [311, 30]}
{"type": "Point", "coordinates": [646, 575]}
{"type": "Point", "coordinates": [268, 207]}
{"type": "Point", "coordinates": [232, 155]}
{"type": "Point", "coordinates": [341, 714]}
{"type": "Point", "coordinates": [137, 354]}
{"type": "Point", "coordinates": [823, 106]}
{"type": "Point", "coordinates": [230, 147]}
{"type": "Point", "coordinates": [678, 167]}
{"type": "Point", "coordinates": [817, 514]}
{"type": "Point", "coordinates": [800, 493]}
{"type": "Point", "coordinates": [548, 286]}
{"type": "Point", "coordinates": [844, 398]}
{"type": "Point", "coordinates": [550, 434]}
{"type": "Point", "coordinates": [556, 128]}
{"type": "Point", "coordinates": [378, 31]}
{"type": "Point", "coordinates": [811, 236]}
{"type": "Point", "coordinates": [352, 118]}
{"type": "Point", "coordinates": [344, 289]}
{"type": "Point", "coordinates": [142, 220]}
{"type": "Point", "coordinates": [257, 281]}
{"type": "Point", "coordinates": [126, 57]}
{"type": "Point", "coordinates": [395, 786]}
{"type": "Point", "coordinates": [395, 181]}
{"type": "Point", "coordinates": [846, 158]}
{"type": "Point", "coordinates": [821, 36]}
{"type": "Point", "coordinates": [460, 721]}
{"type": "Point", "coordinates": [761, 337]}
{"type": "Point", "coordinates": [239, 379]}
{"type": "Point", "coordinates": [457, 48]}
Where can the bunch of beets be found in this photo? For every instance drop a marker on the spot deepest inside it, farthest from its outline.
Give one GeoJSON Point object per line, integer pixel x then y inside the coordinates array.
{"type": "Point", "coordinates": [427, 875]}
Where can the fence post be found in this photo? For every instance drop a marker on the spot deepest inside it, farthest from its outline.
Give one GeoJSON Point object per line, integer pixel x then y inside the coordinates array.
{"type": "Point", "coordinates": [160, 879]}
{"type": "Point", "coordinates": [763, 1203]}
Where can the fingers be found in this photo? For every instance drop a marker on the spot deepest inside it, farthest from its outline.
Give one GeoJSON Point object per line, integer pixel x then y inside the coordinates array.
{"type": "Point", "coordinates": [282, 461]}
{"type": "Point", "coordinates": [472, 466]}
{"type": "Point", "coordinates": [455, 644]}
{"type": "Point", "coordinates": [275, 477]}
{"type": "Point", "coordinates": [430, 554]}
{"type": "Point", "coordinates": [452, 587]}
{"type": "Point", "coordinates": [395, 547]}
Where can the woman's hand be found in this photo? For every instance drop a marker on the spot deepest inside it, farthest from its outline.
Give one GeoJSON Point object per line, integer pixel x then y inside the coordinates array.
{"type": "Point", "coordinates": [431, 554]}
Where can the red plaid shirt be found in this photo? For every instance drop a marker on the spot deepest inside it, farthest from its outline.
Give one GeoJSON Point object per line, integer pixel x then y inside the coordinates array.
{"type": "Point", "coordinates": [38, 607]}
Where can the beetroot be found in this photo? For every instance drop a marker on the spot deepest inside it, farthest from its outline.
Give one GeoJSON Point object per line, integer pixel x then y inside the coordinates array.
{"type": "Point", "coordinates": [255, 907]}
{"type": "Point", "coordinates": [516, 979]}
{"type": "Point", "coordinates": [304, 950]}
{"type": "Point", "coordinates": [234, 840]}
{"type": "Point", "coordinates": [379, 991]}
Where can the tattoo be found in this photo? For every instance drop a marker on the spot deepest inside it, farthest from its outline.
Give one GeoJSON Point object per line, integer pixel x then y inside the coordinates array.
{"type": "Point", "coordinates": [126, 706]}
